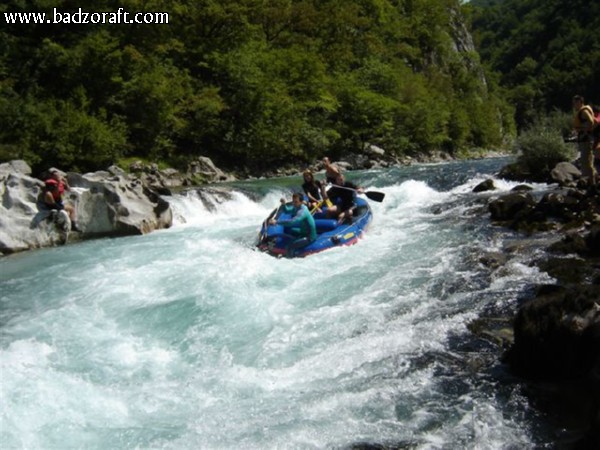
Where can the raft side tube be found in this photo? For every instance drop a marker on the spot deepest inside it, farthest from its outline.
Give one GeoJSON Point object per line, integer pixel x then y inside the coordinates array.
{"type": "Point", "coordinates": [324, 225]}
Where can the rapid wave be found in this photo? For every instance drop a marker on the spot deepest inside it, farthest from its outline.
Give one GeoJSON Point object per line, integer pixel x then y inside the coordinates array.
{"type": "Point", "coordinates": [189, 338]}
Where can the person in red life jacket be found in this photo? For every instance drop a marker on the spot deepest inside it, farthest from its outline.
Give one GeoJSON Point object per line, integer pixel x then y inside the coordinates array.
{"type": "Point", "coordinates": [583, 123]}
{"type": "Point", "coordinates": [342, 194]}
{"type": "Point", "coordinates": [54, 189]}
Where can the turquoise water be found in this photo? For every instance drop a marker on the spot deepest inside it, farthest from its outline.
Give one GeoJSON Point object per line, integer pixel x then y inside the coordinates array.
{"type": "Point", "coordinates": [188, 338]}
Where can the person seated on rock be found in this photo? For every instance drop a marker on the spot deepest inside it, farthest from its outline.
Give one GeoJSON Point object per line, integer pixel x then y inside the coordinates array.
{"type": "Point", "coordinates": [54, 188]}
{"type": "Point", "coordinates": [343, 196]}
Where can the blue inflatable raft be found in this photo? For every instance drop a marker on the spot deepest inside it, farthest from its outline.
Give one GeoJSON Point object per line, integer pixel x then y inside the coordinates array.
{"type": "Point", "coordinates": [274, 238]}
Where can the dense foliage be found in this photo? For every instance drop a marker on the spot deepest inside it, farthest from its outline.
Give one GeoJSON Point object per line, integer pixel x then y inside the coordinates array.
{"type": "Point", "coordinates": [246, 82]}
{"type": "Point", "coordinates": [541, 146]}
{"type": "Point", "coordinates": [545, 50]}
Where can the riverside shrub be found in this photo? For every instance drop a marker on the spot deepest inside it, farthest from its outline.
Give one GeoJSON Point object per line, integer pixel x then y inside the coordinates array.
{"type": "Point", "coordinates": [541, 148]}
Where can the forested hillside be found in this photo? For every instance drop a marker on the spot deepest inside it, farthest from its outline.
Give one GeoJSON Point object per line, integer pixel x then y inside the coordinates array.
{"type": "Point", "coordinates": [545, 50]}
{"type": "Point", "coordinates": [248, 82]}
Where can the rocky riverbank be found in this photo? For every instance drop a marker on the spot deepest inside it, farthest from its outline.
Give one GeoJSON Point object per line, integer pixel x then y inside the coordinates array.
{"type": "Point", "coordinates": [555, 344]}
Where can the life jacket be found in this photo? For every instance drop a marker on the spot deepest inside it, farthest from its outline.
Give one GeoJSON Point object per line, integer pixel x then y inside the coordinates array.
{"type": "Point", "coordinates": [55, 187]}
{"type": "Point", "coordinates": [578, 122]}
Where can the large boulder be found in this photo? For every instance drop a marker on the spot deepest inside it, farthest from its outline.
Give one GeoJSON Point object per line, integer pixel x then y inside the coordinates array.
{"type": "Point", "coordinates": [107, 204]}
{"type": "Point", "coordinates": [557, 342]}
{"type": "Point", "coordinates": [565, 174]}
{"type": "Point", "coordinates": [117, 205]}
{"type": "Point", "coordinates": [206, 169]}
{"type": "Point", "coordinates": [557, 335]}
{"type": "Point", "coordinates": [511, 206]}
{"type": "Point", "coordinates": [22, 225]}
{"type": "Point", "coordinates": [484, 186]}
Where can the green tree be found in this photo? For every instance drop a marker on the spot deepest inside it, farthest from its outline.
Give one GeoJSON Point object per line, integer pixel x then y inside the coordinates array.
{"type": "Point", "coordinates": [545, 50]}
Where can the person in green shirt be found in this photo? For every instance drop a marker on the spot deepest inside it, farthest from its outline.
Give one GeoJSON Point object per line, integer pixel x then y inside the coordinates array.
{"type": "Point", "coordinates": [301, 225]}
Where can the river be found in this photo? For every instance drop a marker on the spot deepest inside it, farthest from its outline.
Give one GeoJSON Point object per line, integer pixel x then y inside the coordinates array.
{"type": "Point", "coordinates": [188, 338]}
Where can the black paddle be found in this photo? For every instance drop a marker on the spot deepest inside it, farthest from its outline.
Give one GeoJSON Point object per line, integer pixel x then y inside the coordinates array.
{"type": "Point", "coordinates": [373, 195]}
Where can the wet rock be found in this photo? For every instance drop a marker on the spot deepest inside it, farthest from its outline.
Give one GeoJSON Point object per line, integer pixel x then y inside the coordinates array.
{"type": "Point", "coordinates": [516, 172]}
{"type": "Point", "coordinates": [592, 241]}
{"type": "Point", "coordinates": [497, 330]}
{"type": "Point", "coordinates": [557, 331]}
{"type": "Point", "coordinates": [484, 186]}
{"type": "Point", "coordinates": [511, 206]}
{"type": "Point", "coordinates": [556, 334]}
{"type": "Point", "coordinates": [377, 446]}
{"type": "Point", "coordinates": [557, 342]}
{"type": "Point", "coordinates": [567, 270]}
{"type": "Point", "coordinates": [493, 260]}
{"type": "Point", "coordinates": [573, 242]}
{"type": "Point", "coordinates": [559, 205]}
{"type": "Point", "coordinates": [522, 188]}
{"type": "Point", "coordinates": [211, 197]}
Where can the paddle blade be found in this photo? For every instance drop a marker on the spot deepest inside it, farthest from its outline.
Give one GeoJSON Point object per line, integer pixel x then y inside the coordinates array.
{"type": "Point", "coordinates": [375, 196]}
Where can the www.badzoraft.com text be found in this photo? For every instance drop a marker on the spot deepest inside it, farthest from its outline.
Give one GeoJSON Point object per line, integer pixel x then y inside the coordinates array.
{"type": "Point", "coordinates": [82, 17]}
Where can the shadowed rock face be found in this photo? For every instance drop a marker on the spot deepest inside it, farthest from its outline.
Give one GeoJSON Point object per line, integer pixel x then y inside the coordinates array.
{"type": "Point", "coordinates": [557, 330]}
{"type": "Point", "coordinates": [107, 204]}
{"type": "Point", "coordinates": [557, 335]}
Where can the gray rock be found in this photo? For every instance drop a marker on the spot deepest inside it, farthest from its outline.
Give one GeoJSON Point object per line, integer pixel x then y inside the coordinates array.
{"type": "Point", "coordinates": [16, 166]}
{"type": "Point", "coordinates": [22, 225]}
{"type": "Point", "coordinates": [344, 165]}
{"type": "Point", "coordinates": [565, 174]}
{"type": "Point", "coordinates": [117, 205]}
{"type": "Point", "coordinates": [107, 204]}
{"type": "Point", "coordinates": [205, 167]}
{"type": "Point", "coordinates": [375, 151]}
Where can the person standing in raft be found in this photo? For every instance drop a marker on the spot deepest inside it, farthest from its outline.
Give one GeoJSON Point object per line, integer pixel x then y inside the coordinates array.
{"type": "Point", "coordinates": [583, 123]}
{"type": "Point", "coordinates": [301, 225]}
{"type": "Point", "coordinates": [54, 189]}
{"type": "Point", "coordinates": [343, 196]}
{"type": "Point", "coordinates": [312, 188]}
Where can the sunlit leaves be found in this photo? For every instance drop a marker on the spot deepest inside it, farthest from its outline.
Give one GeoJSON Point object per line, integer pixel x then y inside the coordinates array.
{"type": "Point", "coordinates": [248, 82]}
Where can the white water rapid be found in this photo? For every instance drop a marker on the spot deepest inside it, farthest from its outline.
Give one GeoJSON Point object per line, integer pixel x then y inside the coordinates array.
{"type": "Point", "coordinates": [188, 338]}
